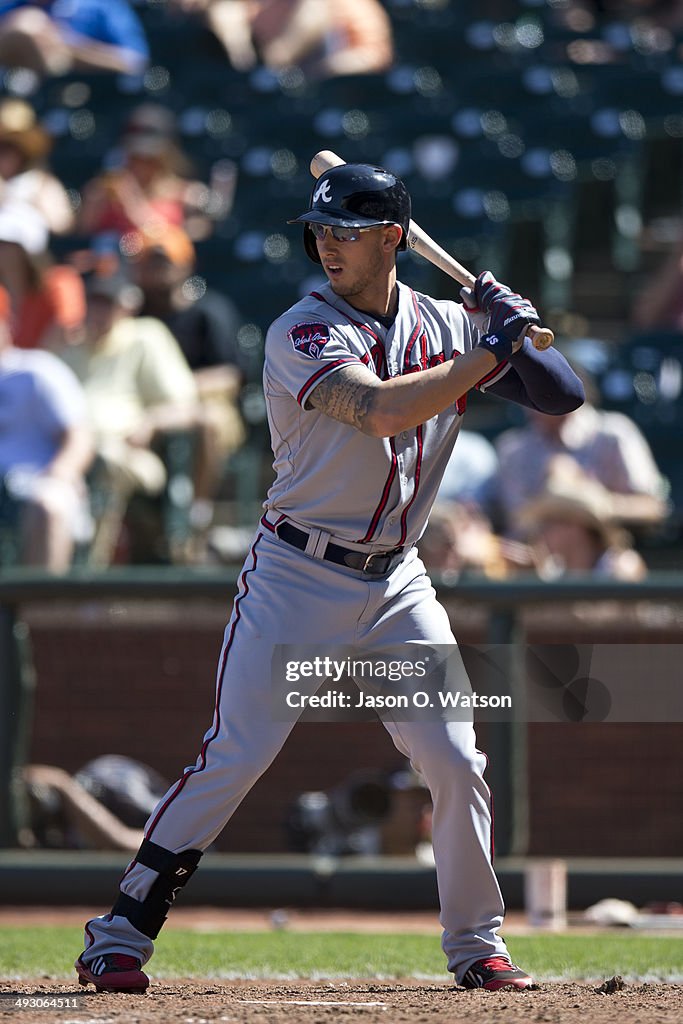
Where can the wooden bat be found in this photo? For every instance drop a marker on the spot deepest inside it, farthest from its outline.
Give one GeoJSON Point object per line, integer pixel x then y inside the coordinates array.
{"type": "Point", "coordinates": [422, 243]}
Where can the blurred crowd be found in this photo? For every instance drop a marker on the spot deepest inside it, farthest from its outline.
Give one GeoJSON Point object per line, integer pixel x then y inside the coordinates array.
{"type": "Point", "coordinates": [121, 374]}
{"type": "Point", "coordinates": [558, 496]}
{"type": "Point", "coordinates": [117, 349]}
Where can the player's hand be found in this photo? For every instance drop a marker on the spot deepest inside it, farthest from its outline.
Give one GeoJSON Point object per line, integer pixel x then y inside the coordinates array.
{"type": "Point", "coordinates": [479, 301]}
{"type": "Point", "coordinates": [477, 316]}
{"type": "Point", "coordinates": [509, 317]}
{"type": "Point", "coordinates": [487, 290]}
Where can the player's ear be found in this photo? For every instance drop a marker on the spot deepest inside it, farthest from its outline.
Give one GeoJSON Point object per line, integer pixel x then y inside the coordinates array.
{"type": "Point", "coordinates": [392, 236]}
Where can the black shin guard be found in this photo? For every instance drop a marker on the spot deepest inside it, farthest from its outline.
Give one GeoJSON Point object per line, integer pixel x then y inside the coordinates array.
{"type": "Point", "coordinates": [175, 870]}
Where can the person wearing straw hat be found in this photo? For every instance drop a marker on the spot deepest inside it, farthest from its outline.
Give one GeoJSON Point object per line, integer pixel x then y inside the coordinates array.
{"type": "Point", "coordinates": [24, 147]}
{"type": "Point", "coordinates": [573, 527]}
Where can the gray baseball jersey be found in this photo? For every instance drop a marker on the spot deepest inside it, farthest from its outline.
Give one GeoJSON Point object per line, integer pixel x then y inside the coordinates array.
{"type": "Point", "coordinates": [329, 475]}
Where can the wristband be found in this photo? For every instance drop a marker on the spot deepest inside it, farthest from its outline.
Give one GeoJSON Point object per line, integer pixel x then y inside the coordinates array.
{"type": "Point", "coordinates": [498, 344]}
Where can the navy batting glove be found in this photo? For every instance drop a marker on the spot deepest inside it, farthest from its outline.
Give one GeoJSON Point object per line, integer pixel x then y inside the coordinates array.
{"type": "Point", "coordinates": [508, 320]}
{"type": "Point", "coordinates": [486, 290]}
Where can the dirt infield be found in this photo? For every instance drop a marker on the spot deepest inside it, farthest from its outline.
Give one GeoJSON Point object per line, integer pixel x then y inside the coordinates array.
{"type": "Point", "coordinates": [320, 1002]}
{"type": "Point", "coordinates": [307, 1002]}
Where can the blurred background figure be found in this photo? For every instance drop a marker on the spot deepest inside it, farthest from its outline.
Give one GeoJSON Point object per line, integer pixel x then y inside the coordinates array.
{"type": "Point", "coordinates": [150, 184]}
{"type": "Point", "coordinates": [104, 806]}
{"type": "Point", "coordinates": [609, 448]}
{"type": "Point", "coordinates": [659, 305]}
{"type": "Point", "coordinates": [205, 323]}
{"type": "Point", "coordinates": [47, 303]}
{"type": "Point", "coordinates": [323, 37]}
{"type": "Point", "coordinates": [460, 538]}
{"type": "Point", "coordinates": [45, 451]}
{"type": "Point", "coordinates": [461, 534]}
{"type": "Point", "coordinates": [585, 13]}
{"type": "Point", "coordinates": [52, 37]}
{"type": "Point", "coordinates": [572, 528]}
{"type": "Point", "coordinates": [138, 388]}
{"type": "Point", "coordinates": [346, 820]}
{"type": "Point", "coordinates": [24, 178]}
{"type": "Point", "coordinates": [471, 473]}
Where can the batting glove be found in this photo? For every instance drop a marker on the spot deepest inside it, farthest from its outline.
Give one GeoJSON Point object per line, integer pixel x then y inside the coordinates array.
{"type": "Point", "coordinates": [487, 290]}
{"type": "Point", "coordinates": [509, 317]}
{"type": "Point", "coordinates": [478, 300]}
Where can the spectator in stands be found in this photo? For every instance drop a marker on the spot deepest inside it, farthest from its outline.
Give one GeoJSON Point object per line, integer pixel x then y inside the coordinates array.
{"type": "Point", "coordinates": [608, 447]}
{"type": "Point", "coordinates": [137, 382]}
{"type": "Point", "coordinates": [471, 473]}
{"type": "Point", "coordinates": [460, 538]}
{"type": "Point", "coordinates": [323, 37]}
{"type": "Point", "coordinates": [47, 299]}
{"type": "Point", "coordinates": [151, 187]}
{"type": "Point", "coordinates": [45, 451]}
{"type": "Point", "coordinates": [24, 146]}
{"type": "Point", "coordinates": [54, 38]}
{"type": "Point", "coordinates": [659, 305]}
{"type": "Point", "coordinates": [572, 528]}
{"type": "Point", "coordinates": [205, 323]}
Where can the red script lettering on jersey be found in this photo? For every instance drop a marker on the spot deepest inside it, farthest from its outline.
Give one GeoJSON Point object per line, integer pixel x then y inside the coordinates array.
{"type": "Point", "coordinates": [310, 339]}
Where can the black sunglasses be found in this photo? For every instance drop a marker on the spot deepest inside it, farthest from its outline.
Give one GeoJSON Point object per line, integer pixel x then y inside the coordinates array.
{"type": "Point", "coordinates": [339, 234]}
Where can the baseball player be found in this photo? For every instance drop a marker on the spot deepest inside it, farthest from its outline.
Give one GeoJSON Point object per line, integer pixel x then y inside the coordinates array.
{"type": "Point", "coordinates": [366, 384]}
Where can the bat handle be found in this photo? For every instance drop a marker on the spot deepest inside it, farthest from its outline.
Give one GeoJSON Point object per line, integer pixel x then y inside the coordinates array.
{"type": "Point", "coordinates": [541, 337]}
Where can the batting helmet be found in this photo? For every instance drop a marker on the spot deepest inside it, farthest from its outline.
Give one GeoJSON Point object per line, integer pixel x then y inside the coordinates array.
{"type": "Point", "coordinates": [356, 196]}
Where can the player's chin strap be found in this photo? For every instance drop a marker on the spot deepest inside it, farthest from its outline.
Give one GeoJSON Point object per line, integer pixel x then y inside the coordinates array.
{"type": "Point", "coordinates": [175, 871]}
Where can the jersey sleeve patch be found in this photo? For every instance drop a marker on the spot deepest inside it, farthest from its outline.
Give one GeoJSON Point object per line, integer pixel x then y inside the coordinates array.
{"type": "Point", "coordinates": [309, 339]}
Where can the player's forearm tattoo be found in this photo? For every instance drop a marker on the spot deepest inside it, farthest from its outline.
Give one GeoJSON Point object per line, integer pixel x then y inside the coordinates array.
{"type": "Point", "coordinates": [347, 395]}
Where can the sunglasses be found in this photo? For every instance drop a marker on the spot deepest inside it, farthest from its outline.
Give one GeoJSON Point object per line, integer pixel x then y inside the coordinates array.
{"type": "Point", "coordinates": [339, 234]}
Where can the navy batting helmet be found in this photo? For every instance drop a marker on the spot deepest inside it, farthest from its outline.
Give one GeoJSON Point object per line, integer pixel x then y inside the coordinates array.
{"type": "Point", "coordinates": [356, 196]}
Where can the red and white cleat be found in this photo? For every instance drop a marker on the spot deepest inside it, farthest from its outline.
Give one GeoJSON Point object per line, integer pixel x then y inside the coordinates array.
{"type": "Point", "coordinates": [113, 972]}
{"type": "Point", "coordinates": [495, 972]}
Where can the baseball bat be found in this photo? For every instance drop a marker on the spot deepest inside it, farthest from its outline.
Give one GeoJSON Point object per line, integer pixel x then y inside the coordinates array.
{"type": "Point", "coordinates": [424, 244]}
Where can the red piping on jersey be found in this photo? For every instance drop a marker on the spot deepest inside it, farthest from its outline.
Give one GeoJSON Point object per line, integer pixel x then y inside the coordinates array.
{"type": "Point", "coordinates": [392, 471]}
{"type": "Point", "coordinates": [414, 334]}
{"type": "Point", "coordinates": [392, 441]}
{"type": "Point", "coordinates": [492, 373]}
{"type": "Point", "coordinates": [385, 495]}
{"type": "Point", "coordinates": [418, 468]}
{"type": "Point", "coordinates": [321, 373]}
{"type": "Point", "coordinates": [270, 526]}
{"type": "Point", "coordinates": [361, 327]}
{"type": "Point", "coordinates": [378, 358]}
{"type": "Point", "coordinates": [219, 689]}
